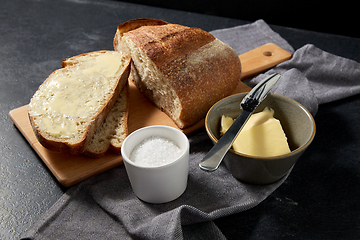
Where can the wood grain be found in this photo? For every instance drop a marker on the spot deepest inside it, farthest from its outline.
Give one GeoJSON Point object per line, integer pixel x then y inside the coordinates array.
{"type": "Point", "coordinates": [262, 58]}
{"type": "Point", "coordinates": [71, 169]}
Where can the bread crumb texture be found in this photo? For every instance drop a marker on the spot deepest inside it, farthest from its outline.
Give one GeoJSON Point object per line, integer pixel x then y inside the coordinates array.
{"type": "Point", "coordinates": [113, 130]}
{"type": "Point", "coordinates": [66, 103]}
{"type": "Point", "coordinates": [182, 70]}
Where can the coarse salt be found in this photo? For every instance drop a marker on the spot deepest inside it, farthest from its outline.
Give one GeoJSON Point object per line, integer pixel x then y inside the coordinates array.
{"type": "Point", "coordinates": [155, 151]}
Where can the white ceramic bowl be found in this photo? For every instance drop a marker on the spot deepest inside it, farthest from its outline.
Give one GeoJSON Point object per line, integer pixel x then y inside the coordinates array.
{"type": "Point", "coordinates": [162, 183]}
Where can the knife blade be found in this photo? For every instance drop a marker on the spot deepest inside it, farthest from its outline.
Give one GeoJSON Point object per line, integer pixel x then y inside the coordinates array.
{"type": "Point", "coordinates": [249, 103]}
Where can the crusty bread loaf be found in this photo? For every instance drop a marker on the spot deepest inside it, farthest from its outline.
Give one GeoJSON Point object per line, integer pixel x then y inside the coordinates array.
{"type": "Point", "coordinates": [113, 131]}
{"type": "Point", "coordinates": [182, 70]}
{"type": "Point", "coordinates": [73, 101]}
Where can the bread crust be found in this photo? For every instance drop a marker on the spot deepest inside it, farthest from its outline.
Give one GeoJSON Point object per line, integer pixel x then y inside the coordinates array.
{"type": "Point", "coordinates": [117, 148]}
{"type": "Point", "coordinates": [97, 119]}
{"type": "Point", "coordinates": [200, 68]}
{"type": "Point", "coordinates": [136, 23]}
{"type": "Point", "coordinates": [132, 25]}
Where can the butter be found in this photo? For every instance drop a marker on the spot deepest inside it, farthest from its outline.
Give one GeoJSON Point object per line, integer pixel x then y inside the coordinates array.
{"type": "Point", "coordinates": [75, 94]}
{"type": "Point", "coordinates": [261, 136]}
{"type": "Point", "coordinates": [106, 64]}
{"type": "Point", "coordinates": [226, 122]}
{"type": "Point", "coordinates": [59, 129]}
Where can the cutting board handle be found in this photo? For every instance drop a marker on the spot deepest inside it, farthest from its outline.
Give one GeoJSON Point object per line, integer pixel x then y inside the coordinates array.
{"type": "Point", "coordinates": [262, 58]}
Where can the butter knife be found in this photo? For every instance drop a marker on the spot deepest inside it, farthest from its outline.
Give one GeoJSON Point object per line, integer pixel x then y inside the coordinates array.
{"type": "Point", "coordinates": [214, 157]}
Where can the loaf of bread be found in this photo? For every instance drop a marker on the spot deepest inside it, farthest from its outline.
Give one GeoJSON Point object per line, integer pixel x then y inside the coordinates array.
{"type": "Point", "coordinates": [182, 70]}
{"type": "Point", "coordinates": [113, 131]}
{"type": "Point", "coordinates": [73, 101]}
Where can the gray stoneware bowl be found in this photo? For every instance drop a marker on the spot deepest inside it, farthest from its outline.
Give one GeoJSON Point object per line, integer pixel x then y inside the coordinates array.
{"type": "Point", "coordinates": [297, 122]}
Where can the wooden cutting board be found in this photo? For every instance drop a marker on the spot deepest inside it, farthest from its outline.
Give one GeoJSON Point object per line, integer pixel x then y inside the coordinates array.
{"type": "Point", "coordinates": [70, 169]}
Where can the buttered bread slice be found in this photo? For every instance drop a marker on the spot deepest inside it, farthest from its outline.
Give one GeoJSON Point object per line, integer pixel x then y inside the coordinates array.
{"type": "Point", "coordinates": [73, 101]}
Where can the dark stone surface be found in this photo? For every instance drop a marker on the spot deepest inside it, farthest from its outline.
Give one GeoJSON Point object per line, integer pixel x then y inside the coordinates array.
{"type": "Point", "coordinates": [318, 201]}
{"type": "Point", "coordinates": [321, 16]}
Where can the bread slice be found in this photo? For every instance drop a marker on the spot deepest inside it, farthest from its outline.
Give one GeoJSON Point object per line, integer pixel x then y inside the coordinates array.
{"type": "Point", "coordinates": [182, 70]}
{"type": "Point", "coordinates": [73, 101]}
{"type": "Point", "coordinates": [113, 131]}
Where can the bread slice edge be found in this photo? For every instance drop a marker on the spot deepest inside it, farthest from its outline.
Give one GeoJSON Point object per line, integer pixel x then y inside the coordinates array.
{"type": "Point", "coordinates": [96, 120]}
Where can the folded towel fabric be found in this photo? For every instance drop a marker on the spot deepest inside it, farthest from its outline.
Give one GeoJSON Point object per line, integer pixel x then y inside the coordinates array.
{"type": "Point", "coordinates": [314, 77]}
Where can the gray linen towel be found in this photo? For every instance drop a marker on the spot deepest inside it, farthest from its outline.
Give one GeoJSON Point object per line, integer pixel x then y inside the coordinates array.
{"type": "Point", "coordinates": [313, 77]}
{"type": "Point", "coordinates": [247, 37]}
{"type": "Point", "coordinates": [104, 207]}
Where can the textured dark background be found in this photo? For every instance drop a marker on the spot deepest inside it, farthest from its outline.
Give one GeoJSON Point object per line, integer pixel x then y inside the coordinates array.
{"type": "Point", "coordinates": [336, 17]}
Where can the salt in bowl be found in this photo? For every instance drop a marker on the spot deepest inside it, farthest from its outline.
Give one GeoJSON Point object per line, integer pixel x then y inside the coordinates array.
{"type": "Point", "coordinates": [160, 179]}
